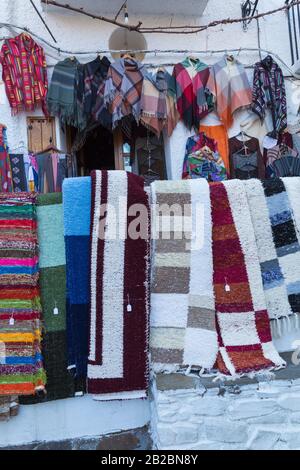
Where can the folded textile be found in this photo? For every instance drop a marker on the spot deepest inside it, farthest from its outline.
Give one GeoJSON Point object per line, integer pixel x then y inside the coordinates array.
{"type": "Point", "coordinates": [77, 208]}
{"type": "Point", "coordinates": [60, 383]}
{"type": "Point", "coordinates": [21, 368]}
{"type": "Point", "coordinates": [278, 244]}
{"type": "Point", "coordinates": [119, 303]}
{"type": "Point", "coordinates": [245, 343]}
{"type": "Point", "coordinates": [183, 330]}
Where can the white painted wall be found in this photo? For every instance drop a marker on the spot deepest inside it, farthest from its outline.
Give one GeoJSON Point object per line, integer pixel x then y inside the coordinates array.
{"type": "Point", "coordinates": [82, 416]}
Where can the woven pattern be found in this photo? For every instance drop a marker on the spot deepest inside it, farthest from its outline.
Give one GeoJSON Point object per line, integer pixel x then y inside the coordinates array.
{"type": "Point", "coordinates": [277, 244]}
{"type": "Point", "coordinates": [245, 342]}
{"type": "Point", "coordinates": [183, 330]}
{"type": "Point", "coordinates": [21, 369]}
{"type": "Point", "coordinates": [60, 383]}
{"type": "Point", "coordinates": [118, 357]}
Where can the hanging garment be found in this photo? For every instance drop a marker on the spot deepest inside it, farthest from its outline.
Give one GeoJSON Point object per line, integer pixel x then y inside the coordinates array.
{"type": "Point", "coordinates": [150, 159]}
{"type": "Point", "coordinates": [246, 160]}
{"type": "Point", "coordinates": [183, 328]}
{"type": "Point", "coordinates": [245, 342]}
{"type": "Point", "coordinates": [52, 267]}
{"type": "Point", "coordinates": [277, 240]}
{"type": "Point", "coordinates": [119, 288]}
{"type": "Point", "coordinates": [17, 165]}
{"type": "Point", "coordinates": [229, 84]}
{"type": "Point", "coordinates": [5, 168]}
{"type": "Point", "coordinates": [282, 161]}
{"type": "Point", "coordinates": [254, 127]}
{"type": "Point", "coordinates": [24, 73]}
{"type": "Point", "coordinates": [158, 107]}
{"type": "Point", "coordinates": [90, 91]}
{"type": "Point", "coordinates": [202, 159]}
{"type": "Point", "coordinates": [21, 367]}
{"type": "Point", "coordinates": [62, 95]}
{"type": "Point", "coordinates": [123, 89]}
{"type": "Point", "coordinates": [269, 93]}
{"type": "Point", "coordinates": [219, 134]}
{"type": "Point", "coordinates": [194, 100]}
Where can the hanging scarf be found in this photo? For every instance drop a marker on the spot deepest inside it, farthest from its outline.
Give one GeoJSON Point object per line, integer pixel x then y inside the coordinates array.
{"type": "Point", "coordinates": [123, 89]}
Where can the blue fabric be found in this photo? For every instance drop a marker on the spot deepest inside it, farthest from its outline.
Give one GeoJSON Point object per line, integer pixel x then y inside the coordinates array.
{"type": "Point", "coordinates": [77, 213]}
{"type": "Point", "coordinates": [19, 269]}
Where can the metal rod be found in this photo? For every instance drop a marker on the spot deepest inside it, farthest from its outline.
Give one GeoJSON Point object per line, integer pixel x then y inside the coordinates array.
{"type": "Point", "coordinates": [43, 21]}
{"type": "Point", "coordinates": [295, 32]}
{"type": "Point", "coordinates": [290, 35]}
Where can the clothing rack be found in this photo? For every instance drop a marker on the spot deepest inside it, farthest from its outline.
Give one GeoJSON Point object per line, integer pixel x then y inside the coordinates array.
{"type": "Point", "coordinates": [145, 51]}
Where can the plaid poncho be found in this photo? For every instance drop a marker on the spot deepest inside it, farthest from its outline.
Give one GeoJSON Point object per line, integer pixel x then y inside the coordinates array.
{"type": "Point", "coordinates": [194, 101]}
{"type": "Point", "coordinates": [123, 89]}
{"type": "Point", "coordinates": [158, 107]}
{"type": "Point", "coordinates": [24, 74]}
{"type": "Point", "coordinates": [62, 95]}
{"type": "Point", "coordinates": [230, 86]}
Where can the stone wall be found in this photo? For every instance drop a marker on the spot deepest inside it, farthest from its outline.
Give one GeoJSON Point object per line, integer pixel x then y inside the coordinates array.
{"type": "Point", "coordinates": [185, 414]}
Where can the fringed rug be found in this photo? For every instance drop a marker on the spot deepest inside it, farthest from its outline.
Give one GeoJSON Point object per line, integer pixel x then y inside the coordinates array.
{"type": "Point", "coordinates": [77, 208]}
{"type": "Point", "coordinates": [52, 263]}
{"type": "Point", "coordinates": [245, 343]}
{"type": "Point", "coordinates": [183, 330]}
{"type": "Point", "coordinates": [118, 352]}
{"type": "Point", "coordinates": [21, 368]}
{"type": "Point", "coordinates": [277, 242]}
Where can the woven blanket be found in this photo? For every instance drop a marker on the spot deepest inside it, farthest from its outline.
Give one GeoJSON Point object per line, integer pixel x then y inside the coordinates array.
{"type": "Point", "coordinates": [21, 368]}
{"type": "Point", "coordinates": [183, 331]}
{"type": "Point", "coordinates": [52, 263]}
{"type": "Point", "coordinates": [77, 208]}
{"type": "Point", "coordinates": [278, 244]}
{"type": "Point", "coordinates": [118, 349]}
{"type": "Point", "coordinates": [245, 343]}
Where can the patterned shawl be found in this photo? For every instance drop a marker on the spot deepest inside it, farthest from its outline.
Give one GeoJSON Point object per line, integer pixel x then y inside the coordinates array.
{"type": "Point", "coordinates": [24, 73]}
{"type": "Point", "coordinates": [230, 86]}
{"type": "Point", "coordinates": [123, 89]}
{"type": "Point", "coordinates": [194, 101]}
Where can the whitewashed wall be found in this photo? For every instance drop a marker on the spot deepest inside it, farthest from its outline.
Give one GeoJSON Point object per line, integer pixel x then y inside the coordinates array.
{"type": "Point", "coordinates": [81, 416]}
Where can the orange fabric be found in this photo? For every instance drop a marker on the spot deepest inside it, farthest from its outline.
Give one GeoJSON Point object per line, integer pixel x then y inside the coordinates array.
{"type": "Point", "coordinates": [18, 389]}
{"type": "Point", "coordinates": [219, 134]}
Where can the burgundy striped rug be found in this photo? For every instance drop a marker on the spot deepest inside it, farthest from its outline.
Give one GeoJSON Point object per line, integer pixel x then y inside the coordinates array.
{"type": "Point", "coordinates": [118, 343]}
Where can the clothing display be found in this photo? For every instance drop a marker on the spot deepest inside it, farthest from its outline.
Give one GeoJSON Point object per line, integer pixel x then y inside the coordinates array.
{"type": "Point", "coordinates": [194, 100]}
{"type": "Point", "coordinates": [6, 184]}
{"type": "Point", "coordinates": [52, 265]}
{"type": "Point", "coordinates": [277, 244]}
{"type": "Point", "coordinates": [246, 160]}
{"type": "Point", "coordinates": [245, 342]}
{"type": "Point", "coordinates": [229, 84]}
{"type": "Point", "coordinates": [119, 287]}
{"type": "Point", "coordinates": [219, 134]}
{"type": "Point", "coordinates": [21, 367]}
{"type": "Point", "coordinates": [202, 159]}
{"type": "Point", "coordinates": [269, 93]}
{"type": "Point", "coordinates": [17, 165]}
{"type": "Point", "coordinates": [183, 330]}
{"type": "Point", "coordinates": [158, 107]}
{"type": "Point", "coordinates": [24, 73]}
{"type": "Point", "coordinates": [123, 89]}
{"type": "Point", "coordinates": [282, 161]}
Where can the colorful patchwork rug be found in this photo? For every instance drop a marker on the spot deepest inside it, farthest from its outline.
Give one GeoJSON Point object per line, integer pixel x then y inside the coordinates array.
{"type": "Point", "coordinates": [21, 368]}
{"type": "Point", "coordinates": [52, 263]}
{"type": "Point", "coordinates": [277, 239]}
{"type": "Point", "coordinates": [77, 214]}
{"type": "Point", "coordinates": [245, 343]}
{"type": "Point", "coordinates": [119, 276]}
{"type": "Point", "coordinates": [183, 329]}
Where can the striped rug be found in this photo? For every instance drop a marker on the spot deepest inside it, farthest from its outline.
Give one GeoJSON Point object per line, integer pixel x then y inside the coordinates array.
{"type": "Point", "coordinates": [21, 369]}
{"type": "Point", "coordinates": [118, 350]}
{"type": "Point", "coordinates": [245, 343]}
{"type": "Point", "coordinates": [52, 264]}
{"type": "Point", "coordinates": [183, 329]}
